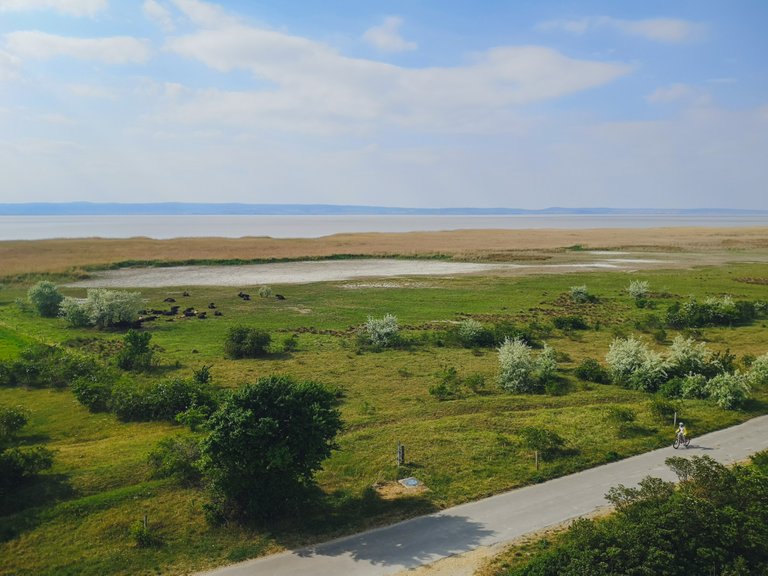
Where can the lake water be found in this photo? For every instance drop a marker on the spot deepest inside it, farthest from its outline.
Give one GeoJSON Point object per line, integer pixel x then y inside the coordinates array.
{"type": "Point", "coordinates": [228, 226]}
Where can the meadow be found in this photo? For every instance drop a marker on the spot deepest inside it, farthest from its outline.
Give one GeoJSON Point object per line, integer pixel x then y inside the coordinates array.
{"type": "Point", "coordinates": [76, 518]}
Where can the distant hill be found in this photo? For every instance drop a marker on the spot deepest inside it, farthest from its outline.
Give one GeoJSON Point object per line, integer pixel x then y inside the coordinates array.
{"type": "Point", "coordinates": [185, 208]}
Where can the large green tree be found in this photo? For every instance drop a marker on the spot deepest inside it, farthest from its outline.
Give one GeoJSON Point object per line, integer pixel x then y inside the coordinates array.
{"type": "Point", "coordinates": [265, 443]}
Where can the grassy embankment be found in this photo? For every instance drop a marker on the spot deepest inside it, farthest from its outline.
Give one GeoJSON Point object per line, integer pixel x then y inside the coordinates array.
{"type": "Point", "coordinates": [76, 520]}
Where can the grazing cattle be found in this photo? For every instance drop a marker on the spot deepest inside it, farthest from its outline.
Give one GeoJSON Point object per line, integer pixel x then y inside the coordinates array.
{"type": "Point", "coordinates": [244, 295]}
{"type": "Point", "coordinates": [174, 310]}
{"type": "Point", "coordinates": [211, 306]}
{"type": "Point", "coordinates": [189, 312]}
{"type": "Point", "coordinates": [202, 315]}
{"type": "Point", "coordinates": [185, 293]}
{"type": "Point", "coordinates": [169, 299]}
{"type": "Point", "coordinates": [218, 313]}
{"type": "Point", "coordinates": [279, 296]}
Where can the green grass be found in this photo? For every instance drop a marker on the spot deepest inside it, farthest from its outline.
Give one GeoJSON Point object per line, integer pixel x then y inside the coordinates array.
{"type": "Point", "coordinates": [76, 519]}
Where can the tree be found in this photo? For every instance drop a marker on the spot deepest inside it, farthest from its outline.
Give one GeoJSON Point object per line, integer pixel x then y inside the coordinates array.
{"type": "Point", "coordinates": [103, 308]}
{"type": "Point", "coordinates": [264, 445]}
{"type": "Point", "coordinates": [46, 298]}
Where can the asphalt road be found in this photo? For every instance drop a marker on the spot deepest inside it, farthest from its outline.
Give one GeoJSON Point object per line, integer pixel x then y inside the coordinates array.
{"type": "Point", "coordinates": [494, 520]}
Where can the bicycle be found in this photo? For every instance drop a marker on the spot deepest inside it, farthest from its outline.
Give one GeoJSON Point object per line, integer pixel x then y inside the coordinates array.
{"type": "Point", "coordinates": [681, 439]}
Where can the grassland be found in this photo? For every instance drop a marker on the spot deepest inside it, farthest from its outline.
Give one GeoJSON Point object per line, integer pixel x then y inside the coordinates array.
{"type": "Point", "coordinates": [76, 519]}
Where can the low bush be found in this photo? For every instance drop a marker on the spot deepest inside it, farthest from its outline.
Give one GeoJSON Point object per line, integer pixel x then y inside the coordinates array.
{"type": "Point", "coordinates": [381, 332]}
{"type": "Point", "coordinates": [103, 308]}
{"type": "Point", "coordinates": [43, 366]}
{"type": "Point", "coordinates": [243, 342]}
{"type": "Point", "coordinates": [580, 294]}
{"type": "Point", "coordinates": [570, 323]}
{"type": "Point", "coordinates": [45, 298]}
{"type": "Point", "coordinates": [590, 370]}
{"type": "Point", "coordinates": [547, 442]}
{"type": "Point", "coordinates": [136, 354]}
{"type": "Point", "coordinates": [176, 458]}
{"type": "Point", "coordinates": [162, 400]}
{"type": "Point", "coordinates": [722, 311]}
{"type": "Point", "coordinates": [472, 333]}
{"type": "Point", "coordinates": [728, 391]}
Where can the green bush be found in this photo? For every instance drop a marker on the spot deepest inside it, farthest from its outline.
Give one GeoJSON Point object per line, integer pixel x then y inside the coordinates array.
{"type": "Point", "coordinates": [136, 354]}
{"type": "Point", "coordinates": [94, 392]}
{"type": "Point", "coordinates": [758, 371]}
{"type": "Point", "coordinates": [45, 298]}
{"type": "Point", "coordinates": [449, 385]}
{"type": "Point", "coordinates": [722, 311]}
{"type": "Point", "coordinates": [75, 313]}
{"type": "Point", "coordinates": [570, 323]}
{"type": "Point", "coordinates": [12, 419]}
{"type": "Point", "coordinates": [633, 365]}
{"type": "Point", "coordinates": [103, 308]}
{"type": "Point", "coordinates": [547, 442]}
{"type": "Point", "coordinates": [43, 366]}
{"type": "Point", "coordinates": [162, 400]}
{"type": "Point", "coordinates": [728, 391]}
{"type": "Point", "coordinates": [143, 536]}
{"type": "Point", "coordinates": [638, 289]}
{"type": "Point", "coordinates": [243, 342]}
{"type": "Point", "coordinates": [177, 458]}
{"type": "Point", "coordinates": [472, 333]}
{"type": "Point", "coordinates": [580, 294]}
{"type": "Point", "coordinates": [20, 464]}
{"type": "Point", "coordinates": [590, 370]}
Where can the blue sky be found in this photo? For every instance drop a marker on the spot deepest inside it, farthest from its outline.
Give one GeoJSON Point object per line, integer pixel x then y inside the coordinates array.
{"type": "Point", "coordinates": [424, 103]}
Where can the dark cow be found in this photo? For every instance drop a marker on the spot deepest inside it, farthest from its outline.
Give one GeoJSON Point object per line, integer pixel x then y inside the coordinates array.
{"type": "Point", "coordinates": [211, 306]}
{"type": "Point", "coordinates": [185, 293]}
{"type": "Point", "coordinates": [279, 296]}
{"type": "Point", "coordinates": [169, 299]}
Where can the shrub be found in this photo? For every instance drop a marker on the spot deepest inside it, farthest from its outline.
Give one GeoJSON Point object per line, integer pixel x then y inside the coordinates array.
{"type": "Point", "coordinates": [632, 364]}
{"type": "Point", "coordinates": [475, 382]}
{"type": "Point", "coordinates": [12, 419]}
{"type": "Point", "coordinates": [94, 392]}
{"type": "Point", "coordinates": [243, 342]}
{"type": "Point", "coordinates": [45, 298]}
{"type": "Point", "coordinates": [449, 386]}
{"type": "Point", "coordinates": [21, 464]}
{"type": "Point", "coordinates": [382, 332]}
{"type": "Point", "coordinates": [472, 333]}
{"type": "Point", "coordinates": [693, 386]}
{"type": "Point", "coordinates": [728, 391]}
{"type": "Point", "coordinates": [136, 354]}
{"type": "Point", "coordinates": [291, 343]}
{"type": "Point", "coordinates": [202, 375]}
{"type": "Point", "coordinates": [546, 365]}
{"type": "Point", "coordinates": [46, 366]}
{"type": "Point", "coordinates": [265, 443]}
{"type": "Point", "coordinates": [143, 536]}
{"type": "Point", "coordinates": [503, 331]}
{"type": "Point", "coordinates": [570, 323]}
{"type": "Point", "coordinates": [265, 292]}
{"type": "Point", "coordinates": [580, 294]}
{"type": "Point", "coordinates": [176, 458]}
{"type": "Point", "coordinates": [758, 371]}
{"type": "Point", "coordinates": [517, 367]}
{"type": "Point", "coordinates": [546, 442]}
{"type": "Point", "coordinates": [638, 289]}
{"type": "Point", "coordinates": [686, 356]}
{"type": "Point", "coordinates": [712, 312]}
{"type": "Point", "coordinates": [591, 370]}
{"type": "Point", "coordinates": [103, 308]}
{"type": "Point", "coordinates": [162, 400]}
{"type": "Point", "coordinates": [74, 312]}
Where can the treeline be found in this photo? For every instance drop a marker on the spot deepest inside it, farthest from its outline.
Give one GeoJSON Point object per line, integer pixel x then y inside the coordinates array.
{"type": "Point", "coordinates": [714, 522]}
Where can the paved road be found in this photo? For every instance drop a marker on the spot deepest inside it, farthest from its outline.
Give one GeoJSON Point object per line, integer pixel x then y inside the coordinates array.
{"type": "Point", "coordinates": [493, 520]}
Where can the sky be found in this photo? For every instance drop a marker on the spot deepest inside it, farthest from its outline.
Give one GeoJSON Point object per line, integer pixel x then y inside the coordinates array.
{"type": "Point", "coordinates": [414, 103]}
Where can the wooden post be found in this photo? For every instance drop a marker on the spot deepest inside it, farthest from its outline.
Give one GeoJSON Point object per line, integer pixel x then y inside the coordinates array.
{"type": "Point", "coordinates": [675, 422]}
{"type": "Point", "coordinates": [400, 454]}
{"type": "Point", "coordinates": [536, 456]}
{"type": "Point", "coordinates": [145, 522]}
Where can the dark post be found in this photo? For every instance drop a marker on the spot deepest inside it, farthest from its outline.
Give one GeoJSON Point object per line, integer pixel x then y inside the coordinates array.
{"type": "Point", "coordinates": [400, 454]}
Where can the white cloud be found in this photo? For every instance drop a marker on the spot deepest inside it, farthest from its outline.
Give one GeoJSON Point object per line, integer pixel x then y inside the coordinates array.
{"type": "Point", "coordinates": [113, 50]}
{"type": "Point", "coordinates": [90, 91]}
{"type": "Point", "coordinates": [9, 65]}
{"type": "Point", "coordinates": [159, 14]}
{"type": "Point", "coordinates": [684, 93]}
{"type": "Point", "coordinates": [386, 36]}
{"type": "Point", "coordinates": [314, 87]}
{"type": "Point", "coordinates": [666, 30]}
{"type": "Point", "coordinates": [204, 14]}
{"type": "Point", "coordinates": [72, 7]}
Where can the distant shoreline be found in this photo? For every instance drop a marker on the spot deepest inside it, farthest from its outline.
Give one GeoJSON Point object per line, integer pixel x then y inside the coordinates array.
{"type": "Point", "coordinates": [233, 209]}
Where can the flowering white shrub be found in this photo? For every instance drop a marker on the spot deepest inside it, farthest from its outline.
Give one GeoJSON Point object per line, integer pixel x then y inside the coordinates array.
{"type": "Point", "coordinates": [758, 371]}
{"type": "Point", "coordinates": [631, 363]}
{"type": "Point", "coordinates": [102, 308]}
{"type": "Point", "coordinates": [694, 386]}
{"type": "Point", "coordinates": [382, 332]}
{"type": "Point", "coordinates": [470, 331]}
{"type": "Point", "coordinates": [638, 289]}
{"type": "Point", "coordinates": [265, 292]}
{"type": "Point", "coordinates": [546, 364]}
{"type": "Point", "coordinates": [728, 390]}
{"type": "Point", "coordinates": [686, 356]}
{"type": "Point", "coordinates": [579, 293]}
{"type": "Point", "coordinates": [516, 365]}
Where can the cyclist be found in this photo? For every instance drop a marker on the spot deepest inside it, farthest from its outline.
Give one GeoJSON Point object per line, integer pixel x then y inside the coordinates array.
{"type": "Point", "coordinates": [682, 433]}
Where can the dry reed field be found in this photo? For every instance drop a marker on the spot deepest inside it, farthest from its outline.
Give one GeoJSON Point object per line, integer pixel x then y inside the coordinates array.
{"type": "Point", "coordinates": [71, 255]}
